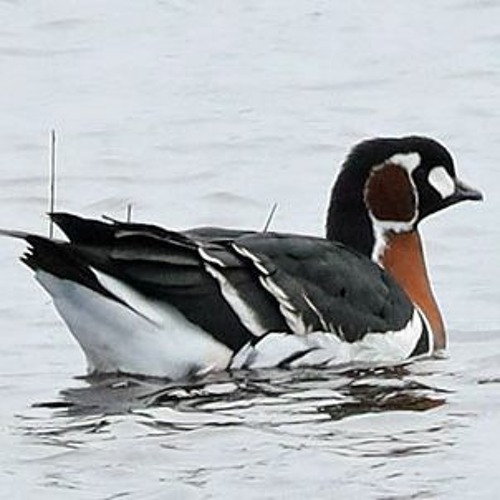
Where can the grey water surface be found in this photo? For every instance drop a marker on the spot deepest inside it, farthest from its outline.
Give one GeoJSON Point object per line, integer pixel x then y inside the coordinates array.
{"type": "Point", "coordinates": [202, 113]}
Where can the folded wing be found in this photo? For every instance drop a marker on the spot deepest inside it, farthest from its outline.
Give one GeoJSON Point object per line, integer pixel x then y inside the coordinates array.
{"type": "Point", "coordinates": [238, 286]}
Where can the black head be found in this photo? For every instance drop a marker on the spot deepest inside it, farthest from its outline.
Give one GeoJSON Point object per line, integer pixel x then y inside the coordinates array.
{"type": "Point", "coordinates": [391, 184]}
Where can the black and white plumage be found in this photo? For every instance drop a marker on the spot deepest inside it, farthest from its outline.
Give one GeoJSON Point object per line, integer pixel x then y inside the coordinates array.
{"type": "Point", "coordinates": [141, 299]}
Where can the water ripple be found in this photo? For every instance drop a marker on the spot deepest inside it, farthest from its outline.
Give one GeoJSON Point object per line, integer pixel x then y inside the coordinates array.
{"type": "Point", "coordinates": [268, 400]}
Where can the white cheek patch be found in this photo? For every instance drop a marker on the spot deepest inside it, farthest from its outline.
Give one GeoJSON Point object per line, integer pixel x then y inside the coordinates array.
{"type": "Point", "coordinates": [441, 181]}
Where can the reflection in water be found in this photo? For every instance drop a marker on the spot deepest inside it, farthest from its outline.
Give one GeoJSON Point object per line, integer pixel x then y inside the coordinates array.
{"type": "Point", "coordinates": [291, 397]}
{"type": "Point", "coordinates": [227, 423]}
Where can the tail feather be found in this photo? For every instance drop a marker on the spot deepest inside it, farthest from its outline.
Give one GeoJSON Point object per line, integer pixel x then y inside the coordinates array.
{"type": "Point", "coordinates": [57, 258]}
{"type": "Point", "coordinates": [96, 232]}
{"type": "Point", "coordinates": [21, 235]}
{"type": "Point", "coordinates": [84, 231]}
{"type": "Point", "coordinates": [54, 257]}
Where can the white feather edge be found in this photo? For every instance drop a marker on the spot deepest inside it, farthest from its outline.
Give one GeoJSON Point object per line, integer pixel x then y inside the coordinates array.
{"type": "Point", "coordinates": [294, 319]}
{"type": "Point", "coordinates": [244, 312]}
{"type": "Point", "coordinates": [242, 309]}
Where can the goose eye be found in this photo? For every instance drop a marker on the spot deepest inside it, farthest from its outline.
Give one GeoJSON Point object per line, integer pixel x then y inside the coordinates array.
{"type": "Point", "coordinates": [441, 181]}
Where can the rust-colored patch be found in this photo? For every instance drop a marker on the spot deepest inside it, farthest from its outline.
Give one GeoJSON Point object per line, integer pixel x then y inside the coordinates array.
{"type": "Point", "coordinates": [403, 258]}
{"type": "Point", "coordinates": [389, 194]}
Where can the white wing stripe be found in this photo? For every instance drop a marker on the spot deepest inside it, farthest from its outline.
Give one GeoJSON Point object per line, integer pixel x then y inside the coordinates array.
{"type": "Point", "coordinates": [292, 317]}
{"type": "Point", "coordinates": [324, 324]}
{"type": "Point", "coordinates": [210, 258]}
{"type": "Point", "coordinates": [244, 312]}
{"type": "Point", "coordinates": [249, 255]}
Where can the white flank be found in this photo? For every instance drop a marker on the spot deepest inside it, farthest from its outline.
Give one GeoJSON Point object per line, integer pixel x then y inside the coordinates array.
{"type": "Point", "coordinates": [328, 349]}
{"type": "Point", "coordinates": [273, 349]}
{"type": "Point", "coordinates": [158, 341]}
{"type": "Point", "coordinates": [441, 181]}
{"type": "Point", "coordinates": [152, 338]}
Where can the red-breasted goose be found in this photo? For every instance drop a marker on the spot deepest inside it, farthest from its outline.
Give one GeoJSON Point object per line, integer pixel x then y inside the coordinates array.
{"type": "Point", "coordinates": [142, 299]}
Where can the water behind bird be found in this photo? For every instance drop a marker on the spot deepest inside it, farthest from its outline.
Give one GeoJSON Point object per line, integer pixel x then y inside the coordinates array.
{"type": "Point", "coordinates": [199, 113]}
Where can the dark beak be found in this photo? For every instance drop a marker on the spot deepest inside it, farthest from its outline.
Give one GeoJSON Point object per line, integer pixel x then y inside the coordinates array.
{"type": "Point", "coordinates": [464, 192]}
